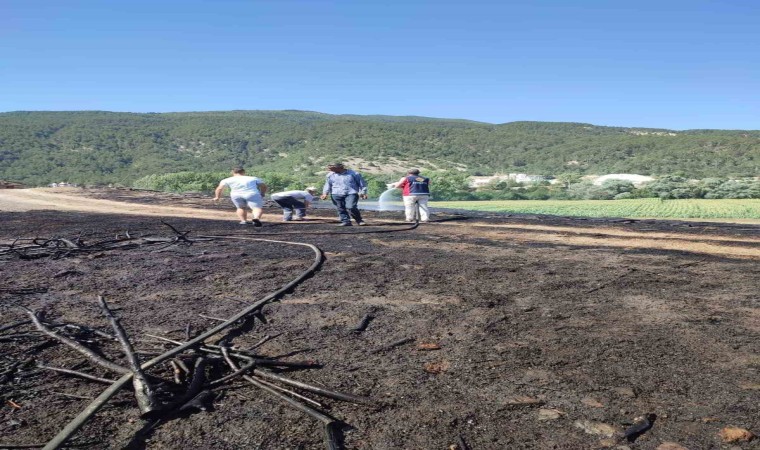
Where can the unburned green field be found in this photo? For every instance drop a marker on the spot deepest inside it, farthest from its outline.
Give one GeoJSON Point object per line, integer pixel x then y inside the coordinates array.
{"type": "Point", "coordinates": [641, 208]}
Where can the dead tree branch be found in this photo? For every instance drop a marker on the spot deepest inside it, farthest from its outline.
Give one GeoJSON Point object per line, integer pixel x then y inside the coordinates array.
{"type": "Point", "coordinates": [146, 399]}
{"type": "Point", "coordinates": [94, 357]}
{"type": "Point", "coordinates": [77, 374]}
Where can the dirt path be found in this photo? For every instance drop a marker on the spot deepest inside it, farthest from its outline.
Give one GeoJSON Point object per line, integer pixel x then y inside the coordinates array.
{"type": "Point", "coordinates": [22, 200]}
{"type": "Point", "coordinates": [743, 247]}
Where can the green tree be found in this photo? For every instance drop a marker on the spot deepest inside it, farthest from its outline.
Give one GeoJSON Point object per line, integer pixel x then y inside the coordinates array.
{"type": "Point", "coordinates": [204, 182]}
{"type": "Point", "coordinates": [588, 191]}
{"type": "Point", "coordinates": [616, 187]}
{"type": "Point", "coordinates": [537, 193]}
{"type": "Point", "coordinates": [376, 185]}
{"type": "Point", "coordinates": [749, 188]}
{"type": "Point", "coordinates": [450, 186]}
{"type": "Point", "coordinates": [281, 182]}
{"type": "Point", "coordinates": [672, 186]}
{"type": "Point", "coordinates": [567, 178]}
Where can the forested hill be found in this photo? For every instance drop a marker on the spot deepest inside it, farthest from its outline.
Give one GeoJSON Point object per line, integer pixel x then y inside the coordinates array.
{"type": "Point", "coordinates": [91, 147]}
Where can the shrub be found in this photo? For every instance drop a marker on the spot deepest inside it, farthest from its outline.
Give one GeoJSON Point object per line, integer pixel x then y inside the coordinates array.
{"type": "Point", "coordinates": [204, 182]}
{"type": "Point", "coordinates": [672, 186]}
{"type": "Point", "coordinates": [537, 193]}
{"type": "Point", "coordinates": [587, 191]}
{"type": "Point", "coordinates": [736, 189]}
{"type": "Point", "coordinates": [450, 186]}
{"type": "Point", "coordinates": [615, 187]}
{"type": "Point", "coordinates": [375, 186]}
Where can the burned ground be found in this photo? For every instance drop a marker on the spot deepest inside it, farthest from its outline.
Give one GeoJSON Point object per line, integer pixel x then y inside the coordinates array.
{"type": "Point", "coordinates": [545, 325]}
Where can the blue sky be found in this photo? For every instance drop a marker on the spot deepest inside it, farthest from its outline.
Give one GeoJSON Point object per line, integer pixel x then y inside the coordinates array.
{"type": "Point", "coordinates": [666, 64]}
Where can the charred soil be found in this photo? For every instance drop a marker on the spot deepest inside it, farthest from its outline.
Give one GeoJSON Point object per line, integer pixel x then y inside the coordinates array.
{"type": "Point", "coordinates": [521, 332]}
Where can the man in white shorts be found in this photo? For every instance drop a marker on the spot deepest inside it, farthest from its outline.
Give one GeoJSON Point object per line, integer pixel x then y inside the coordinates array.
{"type": "Point", "coordinates": [245, 192]}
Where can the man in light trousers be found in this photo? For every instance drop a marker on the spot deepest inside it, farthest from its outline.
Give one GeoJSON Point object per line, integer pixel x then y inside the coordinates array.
{"type": "Point", "coordinates": [416, 192]}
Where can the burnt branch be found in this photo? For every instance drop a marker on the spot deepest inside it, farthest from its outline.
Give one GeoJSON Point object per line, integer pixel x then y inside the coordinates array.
{"type": "Point", "coordinates": [94, 357]}
{"type": "Point", "coordinates": [76, 373]}
{"type": "Point", "coordinates": [146, 399]}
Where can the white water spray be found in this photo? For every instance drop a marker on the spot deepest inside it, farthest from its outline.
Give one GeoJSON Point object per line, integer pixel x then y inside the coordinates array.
{"type": "Point", "coordinates": [390, 200]}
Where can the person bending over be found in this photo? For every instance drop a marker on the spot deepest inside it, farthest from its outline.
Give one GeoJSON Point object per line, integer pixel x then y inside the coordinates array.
{"type": "Point", "coordinates": [294, 202]}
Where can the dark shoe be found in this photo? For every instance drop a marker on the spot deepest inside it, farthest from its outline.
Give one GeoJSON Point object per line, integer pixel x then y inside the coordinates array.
{"type": "Point", "coordinates": [257, 223]}
{"type": "Point", "coordinates": [345, 224]}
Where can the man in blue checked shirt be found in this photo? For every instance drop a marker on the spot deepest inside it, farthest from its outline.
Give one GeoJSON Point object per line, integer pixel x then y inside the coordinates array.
{"type": "Point", "coordinates": [345, 187]}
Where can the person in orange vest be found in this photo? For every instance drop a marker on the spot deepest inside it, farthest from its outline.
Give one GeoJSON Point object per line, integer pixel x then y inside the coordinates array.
{"type": "Point", "coordinates": [416, 192]}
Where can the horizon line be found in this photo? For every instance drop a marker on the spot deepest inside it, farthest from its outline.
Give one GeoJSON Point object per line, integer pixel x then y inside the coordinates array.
{"type": "Point", "coordinates": [373, 115]}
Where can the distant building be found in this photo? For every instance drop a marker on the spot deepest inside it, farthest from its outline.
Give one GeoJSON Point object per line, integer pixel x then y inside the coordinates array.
{"type": "Point", "coordinates": [525, 178]}
{"type": "Point", "coordinates": [478, 182]}
{"type": "Point", "coordinates": [637, 180]}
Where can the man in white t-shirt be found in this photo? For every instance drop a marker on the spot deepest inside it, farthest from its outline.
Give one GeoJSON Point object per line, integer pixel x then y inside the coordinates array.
{"type": "Point", "coordinates": [245, 192]}
{"type": "Point", "coordinates": [294, 201]}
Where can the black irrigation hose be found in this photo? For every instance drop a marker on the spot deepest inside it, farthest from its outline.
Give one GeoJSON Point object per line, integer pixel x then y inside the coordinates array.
{"type": "Point", "coordinates": [363, 231]}
{"type": "Point", "coordinates": [318, 233]}
{"type": "Point", "coordinates": [72, 427]}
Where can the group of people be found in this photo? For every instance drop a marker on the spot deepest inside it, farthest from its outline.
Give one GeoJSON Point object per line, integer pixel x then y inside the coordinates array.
{"type": "Point", "coordinates": [345, 188]}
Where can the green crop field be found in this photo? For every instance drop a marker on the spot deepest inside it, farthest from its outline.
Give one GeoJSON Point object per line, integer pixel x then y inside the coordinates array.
{"type": "Point", "coordinates": [640, 208]}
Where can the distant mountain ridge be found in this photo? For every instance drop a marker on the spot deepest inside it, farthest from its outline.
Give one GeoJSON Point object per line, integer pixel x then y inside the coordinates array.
{"type": "Point", "coordinates": [100, 146]}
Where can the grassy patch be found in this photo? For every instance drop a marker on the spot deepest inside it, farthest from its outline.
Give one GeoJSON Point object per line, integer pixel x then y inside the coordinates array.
{"type": "Point", "coordinates": [644, 207]}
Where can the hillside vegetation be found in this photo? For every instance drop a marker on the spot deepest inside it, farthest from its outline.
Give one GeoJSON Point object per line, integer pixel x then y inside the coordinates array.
{"type": "Point", "coordinates": [99, 147]}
